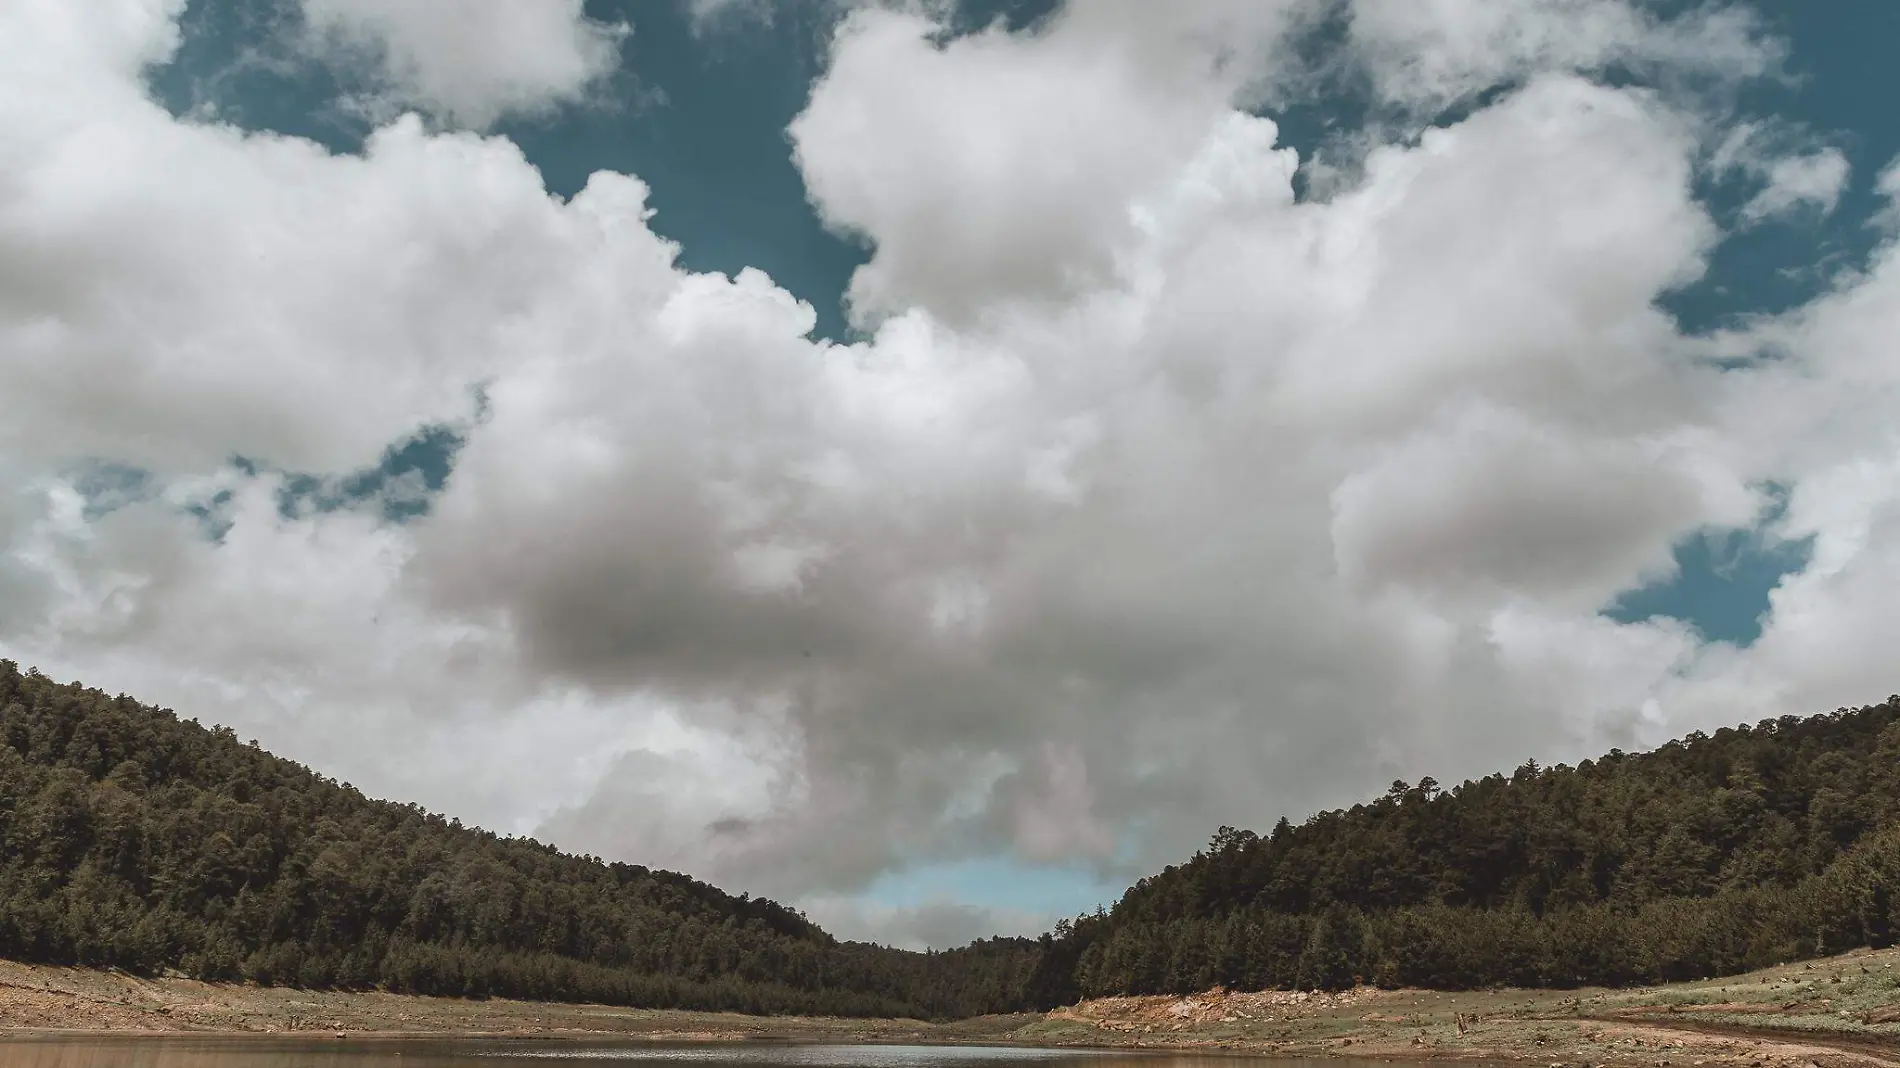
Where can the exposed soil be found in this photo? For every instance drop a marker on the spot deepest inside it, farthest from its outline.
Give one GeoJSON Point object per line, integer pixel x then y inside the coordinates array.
{"type": "Point", "coordinates": [1843, 1012]}
{"type": "Point", "coordinates": [1832, 1013]}
{"type": "Point", "coordinates": [40, 998]}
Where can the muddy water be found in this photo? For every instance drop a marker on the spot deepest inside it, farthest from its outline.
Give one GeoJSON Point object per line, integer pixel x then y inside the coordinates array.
{"type": "Point", "coordinates": [199, 1052]}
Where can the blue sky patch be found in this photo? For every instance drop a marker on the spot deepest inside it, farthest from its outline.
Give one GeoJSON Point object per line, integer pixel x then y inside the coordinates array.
{"type": "Point", "coordinates": [410, 473]}
{"type": "Point", "coordinates": [106, 487]}
{"type": "Point", "coordinates": [998, 882]}
{"type": "Point", "coordinates": [1722, 580]}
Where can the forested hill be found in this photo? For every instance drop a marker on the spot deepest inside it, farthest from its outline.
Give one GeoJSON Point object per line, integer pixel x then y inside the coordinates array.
{"type": "Point", "coordinates": [1708, 856]}
{"type": "Point", "coordinates": [132, 839]}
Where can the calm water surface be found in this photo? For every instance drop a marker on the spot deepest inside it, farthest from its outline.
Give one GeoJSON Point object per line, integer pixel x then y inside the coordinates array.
{"type": "Point", "coordinates": [189, 1052]}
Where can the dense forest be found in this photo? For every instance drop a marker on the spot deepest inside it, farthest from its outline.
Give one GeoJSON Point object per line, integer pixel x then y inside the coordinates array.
{"type": "Point", "coordinates": [1711, 855]}
{"type": "Point", "coordinates": [130, 838]}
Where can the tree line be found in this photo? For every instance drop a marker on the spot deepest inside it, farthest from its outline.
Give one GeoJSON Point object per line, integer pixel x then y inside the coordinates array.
{"type": "Point", "coordinates": [130, 838]}
{"type": "Point", "coordinates": [1712, 855]}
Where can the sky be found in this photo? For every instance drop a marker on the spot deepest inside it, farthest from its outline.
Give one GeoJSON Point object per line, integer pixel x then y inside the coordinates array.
{"type": "Point", "coordinates": [934, 463]}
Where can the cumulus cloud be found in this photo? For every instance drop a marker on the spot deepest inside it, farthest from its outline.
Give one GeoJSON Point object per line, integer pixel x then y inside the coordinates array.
{"type": "Point", "coordinates": [1153, 498]}
{"type": "Point", "coordinates": [1021, 191]}
{"type": "Point", "coordinates": [1820, 415]}
{"type": "Point", "coordinates": [468, 63]}
{"type": "Point", "coordinates": [205, 332]}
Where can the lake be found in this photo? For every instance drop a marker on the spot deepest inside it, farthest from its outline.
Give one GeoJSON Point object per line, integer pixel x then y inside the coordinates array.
{"type": "Point", "coordinates": [371, 1052]}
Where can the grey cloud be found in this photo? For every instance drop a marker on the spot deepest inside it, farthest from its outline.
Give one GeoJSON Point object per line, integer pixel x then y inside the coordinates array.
{"type": "Point", "coordinates": [25, 591]}
{"type": "Point", "coordinates": [1500, 501]}
{"type": "Point", "coordinates": [933, 925]}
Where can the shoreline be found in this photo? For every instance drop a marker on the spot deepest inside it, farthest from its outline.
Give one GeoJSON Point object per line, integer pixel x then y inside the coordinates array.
{"type": "Point", "coordinates": [1842, 1012]}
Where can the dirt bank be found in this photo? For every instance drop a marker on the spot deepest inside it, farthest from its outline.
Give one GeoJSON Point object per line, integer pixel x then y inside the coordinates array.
{"type": "Point", "coordinates": [39, 998]}
{"type": "Point", "coordinates": [1836, 1012]}
{"type": "Point", "coordinates": [1839, 1013]}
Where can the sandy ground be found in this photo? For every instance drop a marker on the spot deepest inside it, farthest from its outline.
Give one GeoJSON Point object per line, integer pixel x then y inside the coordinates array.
{"type": "Point", "coordinates": [1843, 1012]}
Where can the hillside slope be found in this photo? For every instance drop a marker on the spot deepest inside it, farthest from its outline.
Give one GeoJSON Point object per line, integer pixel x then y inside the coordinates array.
{"type": "Point", "coordinates": [1708, 856]}
{"type": "Point", "coordinates": [133, 839]}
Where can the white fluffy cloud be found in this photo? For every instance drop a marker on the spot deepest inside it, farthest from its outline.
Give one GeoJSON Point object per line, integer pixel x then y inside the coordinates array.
{"type": "Point", "coordinates": [470, 63]}
{"type": "Point", "coordinates": [1157, 498]}
{"type": "Point", "coordinates": [1021, 192]}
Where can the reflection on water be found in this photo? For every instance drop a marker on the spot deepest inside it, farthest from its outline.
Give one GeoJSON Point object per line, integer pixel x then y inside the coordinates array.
{"type": "Point", "coordinates": [198, 1052]}
{"type": "Point", "coordinates": [867, 1056]}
